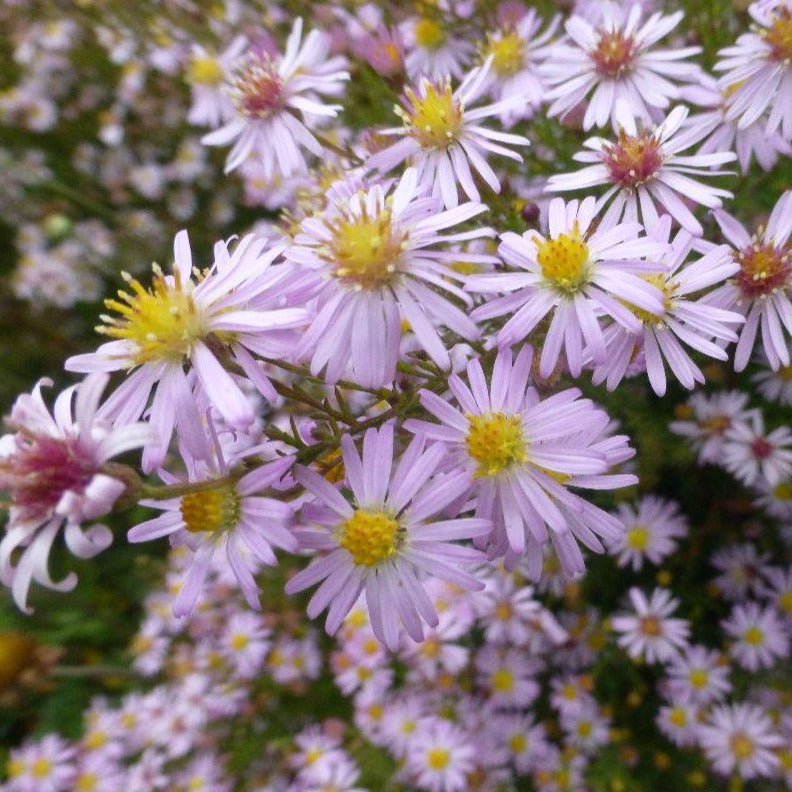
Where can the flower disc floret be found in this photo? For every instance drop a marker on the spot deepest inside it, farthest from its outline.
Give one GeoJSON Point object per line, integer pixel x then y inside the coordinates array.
{"type": "Point", "coordinates": [633, 159]}
{"type": "Point", "coordinates": [495, 441]}
{"type": "Point", "coordinates": [211, 511]}
{"type": "Point", "coordinates": [779, 35]}
{"type": "Point", "coordinates": [370, 537]}
{"type": "Point", "coordinates": [563, 260]}
{"type": "Point", "coordinates": [763, 269]}
{"type": "Point", "coordinates": [258, 90]}
{"type": "Point", "coordinates": [205, 70]}
{"type": "Point", "coordinates": [507, 52]}
{"type": "Point", "coordinates": [614, 54]}
{"type": "Point", "coordinates": [434, 117]}
{"type": "Point", "coordinates": [429, 34]}
{"type": "Point", "coordinates": [438, 758]}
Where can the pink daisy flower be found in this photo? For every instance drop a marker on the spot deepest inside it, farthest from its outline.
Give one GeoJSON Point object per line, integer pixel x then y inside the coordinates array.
{"type": "Point", "coordinates": [682, 320]}
{"type": "Point", "coordinates": [440, 756]}
{"type": "Point", "coordinates": [388, 538]}
{"type": "Point", "coordinates": [699, 675]}
{"type": "Point", "coordinates": [740, 738]}
{"type": "Point", "coordinates": [269, 95]}
{"type": "Point", "coordinates": [43, 766]}
{"type": "Point", "coordinates": [520, 454]}
{"type": "Point", "coordinates": [442, 137]}
{"type": "Point", "coordinates": [644, 169]}
{"type": "Point", "coordinates": [651, 633]}
{"type": "Point", "coordinates": [762, 287]}
{"type": "Point", "coordinates": [578, 274]}
{"type": "Point", "coordinates": [759, 638]}
{"type": "Point", "coordinates": [749, 452]}
{"type": "Point", "coordinates": [759, 69]}
{"type": "Point", "coordinates": [432, 50]}
{"type": "Point", "coordinates": [374, 248]}
{"type": "Point", "coordinates": [55, 470]}
{"type": "Point", "coordinates": [228, 515]}
{"type": "Point", "coordinates": [612, 62]}
{"type": "Point", "coordinates": [237, 305]}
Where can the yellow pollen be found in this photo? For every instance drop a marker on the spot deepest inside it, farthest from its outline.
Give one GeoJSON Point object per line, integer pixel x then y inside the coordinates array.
{"type": "Point", "coordinates": [584, 729]}
{"type": "Point", "coordinates": [438, 758]}
{"type": "Point", "coordinates": [376, 711]}
{"type": "Point", "coordinates": [638, 537]}
{"type": "Point", "coordinates": [661, 282]}
{"type": "Point", "coordinates": [205, 71]}
{"type": "Point", "coordinates": [365, 251]}
{"type": "Point", "coordinates": [569, 691]}
{"type": "Point", "coordinates": [211, 511]}
{"type": "Point", "coordinates": [699, 678]}
{"type": "Point", "coordinates": [678, 717]}
{"type": "Point", "coordinates": [779, 35]}
{"type": "Point", "coordinates": [503, 680]}
{"type": "Point", "coordinates": [430, 648]}
{"type": "Point", "coordinates": [785, 373]}
{"type": "Point", "coordinates": [753, 636]}
{"type": "Point", "coordinates": [563, 260]}
{"type": "Point", "coordinates": [162, 322]}
{"type": "Point", "coordinates": [95, 739]}
{"type": "Point", "coordinates": [742, 746]}
{"type": "Point", "coordinates": [370, 537]}
{"type": "Point", "coordinates": [15, 768]}
{"type": "Point", "coordinates": [408, 727]}
{"type": "Point", "coordinates": [495, 441]}
{"type": "Point", "coordinates": [507, 54]}
{"type": "Point", "coordinates": [503, 611]}
{"type": "Point", "coordinates": [41, 768]}
{"type": "Point", "coordinates": [517, 743]}
{"type": "Point", "coordinates": [87, 782]}
{"type": "Point", "coordinates": [436, 117]}
{"type": "Point", "coordinates": [429, 34]}
{"type": "Point", "coordinates": [239, 642]}
{"type": "Point", "coordinates": [312, 755]}
{"type": "Point", "coordinates": [785, 602]}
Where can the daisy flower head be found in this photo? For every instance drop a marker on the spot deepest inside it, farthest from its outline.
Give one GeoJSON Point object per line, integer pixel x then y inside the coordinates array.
{"type": "Point", "coordinates": [740, 738]}
{"type": "Point", "coordinates": [750, 452]}
{"type": "Point", "coordinates": [225, 515]}
{"type": "Point", "coordinates": [612, 62]}
{"type": "Point", "coordinates": [698, 675]}
{"type": "Point", "coordinates": [651, 633]}
{"type": "Point", "coordinates": [774, 385]}
{"type": "Point", "coordinates": [578, 273]}
{"type": "Point", "coordinates": [520, 455]}
{"type": "Point", "coordinates": [182, 319]}
{"type": "Point", "coordinates": [270, 94]}
{"type": "Point", "coordinates": [762, 287]}
{"type": "Point", "coordinates": [684, 321]}
{"type": "Point", "coordinates": [374, 252]}
{"type": "Point", "coordinates": [652, 528]}
{"type": "Point", "coordinates": [432, 49]}
{"type": "Point", "coordinates": [678, 721]}
{"type": "Point", "coordinates": [443, 138]}
{"type": "Point", "coordinates": [758, 69]}
{"type": "Point", "coordinates": [441, 756]}
{"type": "Point", "coordinates": [44, 766]}
{"type": "Point", "coordinates": [55, 469]}
{"type": "Point", "coordinates": [644, 168]}
{"type": "Point", "coordinates": [388, 538]}
{"type": "Point", "coordinates": [741, 568]}
{"type": "Point", "coordinates": [760, 637]}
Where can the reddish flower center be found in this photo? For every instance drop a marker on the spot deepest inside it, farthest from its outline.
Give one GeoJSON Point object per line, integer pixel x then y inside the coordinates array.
{"type": "Point", "coordinates": [41, 469]}
{"type": "Point", "coordinates": [633, 159]}
{"type": "Point", "coordinates": [779, 35]}
{"type": "Point", "coordinates": [614, 54]}
{"type": "Point", "coordinates": [763, 269]}
{"type": "Point", "coordinates": [761, 449]}
{"type": "Point", "coordinates": [259, 89]}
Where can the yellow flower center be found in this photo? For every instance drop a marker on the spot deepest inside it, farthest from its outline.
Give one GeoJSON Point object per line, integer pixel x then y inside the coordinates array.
{"type": "Point", "coordinates": [563, 260]}
{"type": "Point", "coordinates": [742, 746]}
{"type": "Point", "coordinates": [434, 119]}
{"type": "Point", "coordinates": [87, 782]}
{"type": "Point", "coordinates": [660, 281]}
{"type": "Point", "coordinates": [637, 537]}
{"type": "Point", "coordinates": [163, 322]}
{"type": "Point", "coordinates": [517, 743]}
{"type": "Point", "coordinates": [764, 269]}
{"type": "Point", "coordinates": [365, 251]}
{"type": "Point", "coordinates": [507, 54]}
{"type": "Point", "coordinates": [503, 680]}
{"type": "Point", "coordinates": [584, 729]}
{"type": "Point", "coordinates": [785, 373]}
{"type": "Point", "coordinates": [370, 537]}
{"type": "Point", "coordinates": [15, 768]}
{"type": "Point", "coordinates": [211, 511]}
{"type": "Point", "coordinates": [785, 602]}
{"type": "Point", "coordinates": [239, 642]}
{"type": "Point", "coordinates": [699, 678]}
{"type": "Point", "coordinates": [753, 636]}
{"type": "Point", "coordinates": [429, 34]}
{"type": "Point", "coordinates": [503, 611]}
{"type": "Point", "coordinates": [495, 441]}
{"type": "Point", "coordinates": [205, 71]}
{"type": "Point", "coordinates": [678, 717]}
{"type": "Point", "coordinates": [438, 758]}
{"type": "Point", "coordinates": [650, 626]}
{"type": "Point", "coordinates": [41, 768]}
{"type": "Point", "coordinates": [95, 739]}
{"type": "Point", "coordinates": [779, 36]}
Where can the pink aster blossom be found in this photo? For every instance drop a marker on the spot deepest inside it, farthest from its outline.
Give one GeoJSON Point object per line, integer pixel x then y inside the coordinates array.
{"type": "Point", "coordinates": [442, 137]}
{"type": "Point", "coordinates": [374, 251]}
{"type": "Point", "coordinates": [760, 639]}
{"type": "Point", "coordinates": [432, 50]}
{"type": "Point", "coordinates": [644, 169]}
{"type": "Point", "coordinates": [43, 766]}
{"type": "Point", "coordinates": [226, 516]}
{"type": "Point", "coordinates": [740, 738]}
{"type": "Point", "coordinates": [683, 321]}
{"type": "Point", "coordinates": [698, 675]}
{"type": "Point", "coordinates": [749, 451]}
{"type": "Point", "coordinates": [54, 468]}
{"type": "Point", "coordinates": [238, 305]}
{"type": "Point", "coordinates": [613, 62]}
{"type": "Point", "coordinates": [520, 455]}
{"type": "Point", "coordinates": [388, 538]}
{"type": "Point", "coordinates": [762, 287]}
{"type": "Point", "coordinates": [579, 273]}
{"type": "Point", "coordinates": [774, 385]}
{"type": "Point", "coordinates": [758, 69]}
{"type": "Point", "coordinates": [270, 94]}
{"type": "Point", "coordinates": [651, 633]}
{"type": "Point", "coordinates": [440, 756]}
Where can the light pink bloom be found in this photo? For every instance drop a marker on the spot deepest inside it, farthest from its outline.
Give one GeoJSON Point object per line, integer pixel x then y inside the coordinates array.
{"type": "Point", "coordinates": [269, 93]}
{"type": "Point", "coordinates": [749, 452]}
{"type": "Point", "coordinates": [388, 538]}
{"type": "Point", "coordinates": [54, 469]}
{"type": "Point", "coordinates": [760, 638]}
{"type": "Point", "coordinates": [440, 756]}
{"type": "Point", "coordinates": [432, 51]}
{"type": "Point", "coordinates": [644, 169]}
{"type": "Point", "coordinates": [613, 62]}
{"type": "Point", "coordinates": [43, 766]}
{"type": "Point", "coordinates": [679, 722]}
{"type": "Point", "coordinates": [374, 252]}
{"type": "Point", "coordinates": [577, 273]}
{"type": "Point", "coordinates": [774, 385]}
{"type": "Point", "coordinates": [741, 567]}
{"type": "Point", "coordinates": [442, 137]}
{"type": "Point", "coordinates": [651, 633]}
{"type": "Point", "coordinates": [698, 675]}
